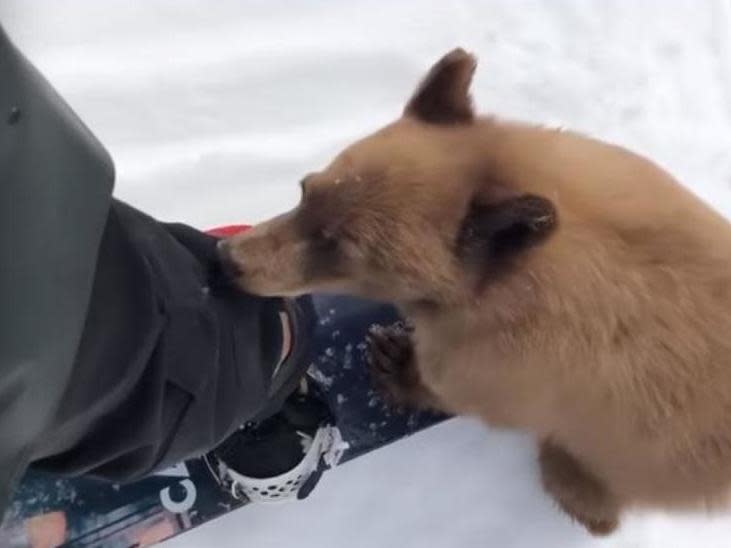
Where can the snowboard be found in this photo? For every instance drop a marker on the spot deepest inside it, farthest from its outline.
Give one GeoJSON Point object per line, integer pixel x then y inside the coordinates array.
{"type": "Point", "coordinates": [51, 511]}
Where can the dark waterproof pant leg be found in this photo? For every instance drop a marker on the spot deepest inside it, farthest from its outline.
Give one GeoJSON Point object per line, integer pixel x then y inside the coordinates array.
{"type": "Point", "coordinates": [172, 358]}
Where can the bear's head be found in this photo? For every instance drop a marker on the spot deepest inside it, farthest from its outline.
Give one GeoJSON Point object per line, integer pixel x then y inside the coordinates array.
{"type": "Point", "coordinates": [413, 213]}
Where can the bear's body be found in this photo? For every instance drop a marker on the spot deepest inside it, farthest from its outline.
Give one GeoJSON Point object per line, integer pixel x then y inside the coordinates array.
{"type": "Point", "coordinates": [556, 284]}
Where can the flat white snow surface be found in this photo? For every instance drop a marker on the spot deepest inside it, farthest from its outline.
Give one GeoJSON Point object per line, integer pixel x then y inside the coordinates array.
{"type": "Point", "coordinates": [214, 110]}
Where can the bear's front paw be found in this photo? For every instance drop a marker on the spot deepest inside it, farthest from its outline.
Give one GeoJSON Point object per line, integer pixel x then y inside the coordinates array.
{"type": "Point", "coordinates": [392, 367]}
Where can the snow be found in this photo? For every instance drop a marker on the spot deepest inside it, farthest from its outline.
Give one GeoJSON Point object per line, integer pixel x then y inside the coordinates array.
{"type": "Point", "coordinates": [214, 110]}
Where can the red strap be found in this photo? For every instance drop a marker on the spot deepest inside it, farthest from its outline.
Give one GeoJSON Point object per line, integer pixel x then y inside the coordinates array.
{"type": "Point", "coordinates": [228, 230]}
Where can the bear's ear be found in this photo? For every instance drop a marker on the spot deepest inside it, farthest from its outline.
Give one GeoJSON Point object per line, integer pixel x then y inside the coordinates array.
{"type": "Point", "coordinates": [443, 97]}
{"type": "Point", "coordinates": [495, 232]}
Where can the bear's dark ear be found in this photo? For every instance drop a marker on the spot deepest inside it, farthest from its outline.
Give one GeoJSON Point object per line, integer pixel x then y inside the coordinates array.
{"type": "Point", "coordinates": [491, 233]}
{"type": "Point", "coordinates": [444, 95]}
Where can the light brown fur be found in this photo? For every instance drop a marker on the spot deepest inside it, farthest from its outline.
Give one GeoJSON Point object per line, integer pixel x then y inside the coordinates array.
{"type": "Point", "coordinates": [609, 338]}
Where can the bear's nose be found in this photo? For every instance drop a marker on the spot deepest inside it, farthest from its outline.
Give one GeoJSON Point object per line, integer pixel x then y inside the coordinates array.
{"type": "Point", "coordinates": [228, 266]}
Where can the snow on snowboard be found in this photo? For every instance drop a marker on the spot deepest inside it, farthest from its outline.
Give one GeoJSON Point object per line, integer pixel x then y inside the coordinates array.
{"type": "Point", "coordinates": [82, 512]}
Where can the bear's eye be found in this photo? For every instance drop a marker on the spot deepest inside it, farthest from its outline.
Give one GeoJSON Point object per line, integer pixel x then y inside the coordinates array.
{"type": "Point", "coordinates": [326, 238]}
{"type": "Point", "coordinates": [324, 242]}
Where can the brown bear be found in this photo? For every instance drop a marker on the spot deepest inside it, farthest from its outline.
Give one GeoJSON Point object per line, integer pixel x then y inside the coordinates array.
{"type": "Point", "coordinates": [555, 284]}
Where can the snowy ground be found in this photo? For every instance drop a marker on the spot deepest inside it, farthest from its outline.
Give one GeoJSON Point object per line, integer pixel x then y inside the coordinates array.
{"type": "Point", "coordinates": [213, 110]}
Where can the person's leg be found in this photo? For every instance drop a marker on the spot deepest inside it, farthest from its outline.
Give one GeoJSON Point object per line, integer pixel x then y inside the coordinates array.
{"type": "Point", "coordinates": [173, 359]}
{"type": "Point", "coordinates": [55, 185]}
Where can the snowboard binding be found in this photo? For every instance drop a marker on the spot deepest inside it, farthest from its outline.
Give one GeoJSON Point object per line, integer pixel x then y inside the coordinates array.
{"type": "Point", "coordinates": [283, 457]}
